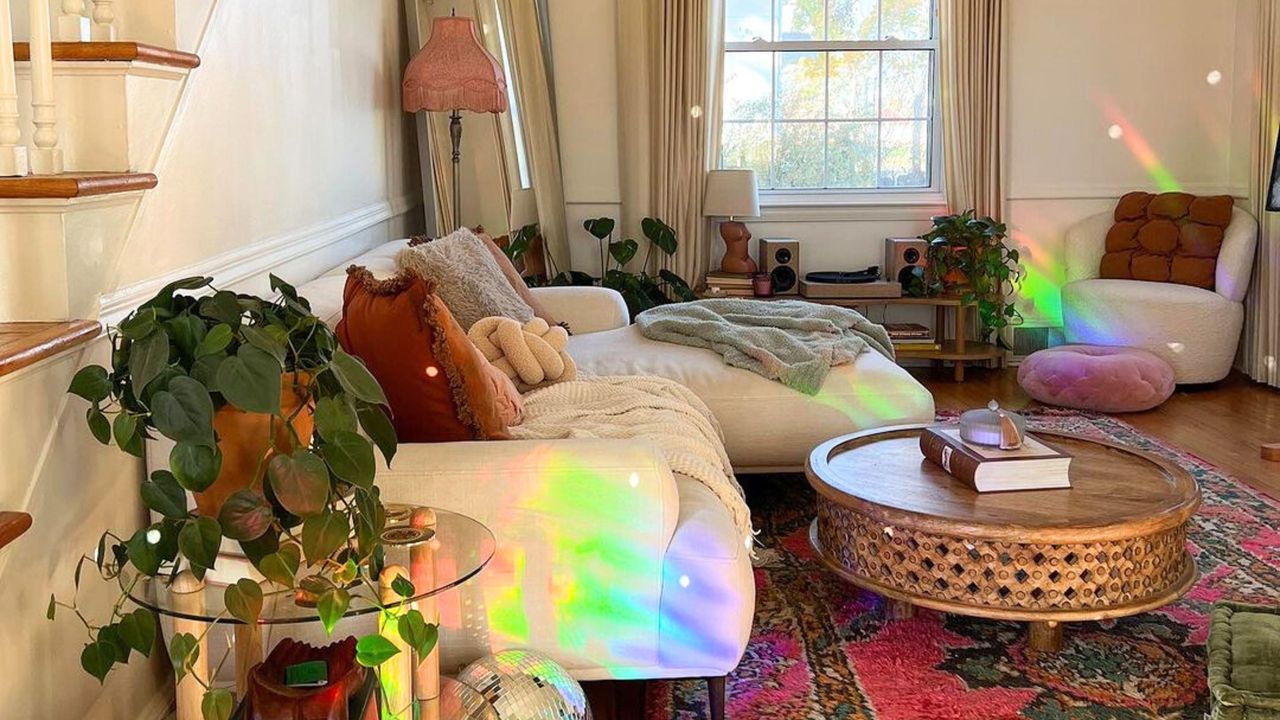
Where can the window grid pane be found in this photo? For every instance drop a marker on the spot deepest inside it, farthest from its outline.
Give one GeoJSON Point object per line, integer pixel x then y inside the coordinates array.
{"type": "Point", "coordinates": [852, 108]}
{"type": "Point", "coordinates": [865, 123]}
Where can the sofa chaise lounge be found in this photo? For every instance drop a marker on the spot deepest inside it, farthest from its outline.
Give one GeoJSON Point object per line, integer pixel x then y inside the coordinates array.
{"type": "Point", "coordinates": [767, 427]}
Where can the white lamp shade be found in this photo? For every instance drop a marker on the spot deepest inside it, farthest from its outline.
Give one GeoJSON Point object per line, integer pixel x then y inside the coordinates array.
{"type": "Point", "coordinates": [731, 194]}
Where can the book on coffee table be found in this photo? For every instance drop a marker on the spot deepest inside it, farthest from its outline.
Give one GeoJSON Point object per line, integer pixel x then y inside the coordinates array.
{"type": "Point", "coordinates": [1034, 466]}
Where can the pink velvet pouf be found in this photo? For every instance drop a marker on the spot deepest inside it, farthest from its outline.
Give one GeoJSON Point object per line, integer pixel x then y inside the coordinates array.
{"type": "Point", "coordinates": [1091, 377]}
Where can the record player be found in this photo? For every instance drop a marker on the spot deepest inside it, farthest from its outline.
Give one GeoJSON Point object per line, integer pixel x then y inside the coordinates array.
{"type": "Point", "coordinates": [849, 285]}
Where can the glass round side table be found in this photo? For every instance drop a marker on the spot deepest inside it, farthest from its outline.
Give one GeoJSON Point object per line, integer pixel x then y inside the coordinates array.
{"type": "Point", "coordinates": [435, 549]}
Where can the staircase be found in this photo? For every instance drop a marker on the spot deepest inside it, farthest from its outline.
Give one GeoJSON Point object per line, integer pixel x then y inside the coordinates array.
{"type": "Point", "coordinates": [88, 90]}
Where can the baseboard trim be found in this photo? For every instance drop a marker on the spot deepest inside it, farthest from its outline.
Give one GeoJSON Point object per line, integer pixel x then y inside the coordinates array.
{"type": "Point", "coordinates": [261, 257]}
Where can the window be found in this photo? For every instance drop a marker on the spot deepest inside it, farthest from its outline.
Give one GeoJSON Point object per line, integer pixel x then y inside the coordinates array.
{"type": "Point", "coordinates": [513, 109]}
{"type": "Point", "coordinates": [831, 95]}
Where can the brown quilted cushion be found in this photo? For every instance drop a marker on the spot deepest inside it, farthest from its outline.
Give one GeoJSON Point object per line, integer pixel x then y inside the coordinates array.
{"type": "Point", "coordinates": [1171, 237]}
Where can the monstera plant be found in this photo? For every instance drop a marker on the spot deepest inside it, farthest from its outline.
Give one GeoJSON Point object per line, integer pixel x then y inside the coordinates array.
{"type": "Point", "coordinates": [640, 290]}
{"type": "Point", "coordinates": [273, 429]}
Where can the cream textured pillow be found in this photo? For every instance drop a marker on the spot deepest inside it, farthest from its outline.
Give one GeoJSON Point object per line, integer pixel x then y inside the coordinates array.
{"type": "Point", "coordinates": [467, 278]}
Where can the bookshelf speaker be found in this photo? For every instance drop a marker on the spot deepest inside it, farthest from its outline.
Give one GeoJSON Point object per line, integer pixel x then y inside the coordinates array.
{"type": "Point", "coordinates": [902, 256]}
{"type": "Point", "coordinates": [781, 259]}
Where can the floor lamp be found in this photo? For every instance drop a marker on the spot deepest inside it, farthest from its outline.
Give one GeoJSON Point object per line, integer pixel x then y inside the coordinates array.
{"type": "Point", "coordinates": [453, 72]}
{"type": "Point", "coordinates": [1271, 451]}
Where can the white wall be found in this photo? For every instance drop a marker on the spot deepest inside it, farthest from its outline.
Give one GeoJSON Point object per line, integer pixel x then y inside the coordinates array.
{"type": "Point", "coordinates": [1075, 68]}
{"type": "Point", "coordinates": [291, 122]}
{"type": "Point", "coordinates": [585, 70]}
{"type": "Point", "coordinates": [288, 153]}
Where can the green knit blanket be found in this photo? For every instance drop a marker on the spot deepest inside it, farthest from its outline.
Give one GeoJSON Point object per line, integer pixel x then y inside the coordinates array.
{"type": "Point", "coordinates": [791, 341]}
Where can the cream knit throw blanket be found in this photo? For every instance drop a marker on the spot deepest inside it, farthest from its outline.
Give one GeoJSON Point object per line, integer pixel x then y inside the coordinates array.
{"type": "Point", "coordinates": [791, 341]}
{"type": "Point", "coordinates": [649, 408]}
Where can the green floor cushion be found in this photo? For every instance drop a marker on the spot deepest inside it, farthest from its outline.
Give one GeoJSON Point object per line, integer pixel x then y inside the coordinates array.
{"type": "Point", "coordinates": [1244, 662]}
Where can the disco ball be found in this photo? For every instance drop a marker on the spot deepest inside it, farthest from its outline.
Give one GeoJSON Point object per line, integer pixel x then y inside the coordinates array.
{"type": "Point", "coordinates": [525, 685]}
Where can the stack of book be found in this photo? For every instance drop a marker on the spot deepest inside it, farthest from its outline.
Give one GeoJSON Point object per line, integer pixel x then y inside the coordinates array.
{"type": "Point", "coordinates": [723, 284]}
{"type": "Point", "coordinates": [1034, 466]}
{"type": "Point", "coordinates": [912, 336]}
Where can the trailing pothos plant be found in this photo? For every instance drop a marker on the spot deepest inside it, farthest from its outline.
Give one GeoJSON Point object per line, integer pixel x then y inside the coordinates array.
{"type": "Point", "coordinates": [640, 290]}
{"type": "Point", "coordinates": [968, 256]}
{"type": "Point", "coordinates": [311, 518]}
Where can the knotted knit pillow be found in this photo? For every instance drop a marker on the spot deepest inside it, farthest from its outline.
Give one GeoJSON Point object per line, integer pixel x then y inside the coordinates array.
{"type": "Point", "coordinates": [532, 354]}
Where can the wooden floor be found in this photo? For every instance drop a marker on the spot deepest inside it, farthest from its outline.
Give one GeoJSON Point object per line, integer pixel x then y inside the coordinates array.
{"type": "Point", "coordinates": [1226, 423]}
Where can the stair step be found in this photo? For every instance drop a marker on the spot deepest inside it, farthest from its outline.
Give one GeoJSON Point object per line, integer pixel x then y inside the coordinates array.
{"type": "Point", "coordinates": [119, 51]}
{"type": "Point", "coordinates": [12, 525]}
{"type": "Point", "coordinates": [74, 185]}
{"type": "Point", "coordinates": [26, 343]}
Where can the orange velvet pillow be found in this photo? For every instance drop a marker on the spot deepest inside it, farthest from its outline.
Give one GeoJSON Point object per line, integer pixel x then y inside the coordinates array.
{"type": "Point", "coordinates": [1171, 237]}
{"type": "Point", "coordinates": [435, 379]}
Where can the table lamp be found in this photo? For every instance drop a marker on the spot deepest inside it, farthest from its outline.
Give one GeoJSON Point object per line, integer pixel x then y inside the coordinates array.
{"type": "Point", "coordinates": [454, 72]}
{"type": "Point", "coordinates": [1271, 451]}
{"type": "Point", "coordinates": [733, 194]}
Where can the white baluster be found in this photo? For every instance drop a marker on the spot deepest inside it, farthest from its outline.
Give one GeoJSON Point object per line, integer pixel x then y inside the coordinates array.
{"type": "Point", "coordinates": [104, 21]}
{"type": "Point", "coordinates": [73, 23]}
{"type": "Point", "coordinates": [13, 157]}
{"type": "Point", "coordinates": [46, 157]}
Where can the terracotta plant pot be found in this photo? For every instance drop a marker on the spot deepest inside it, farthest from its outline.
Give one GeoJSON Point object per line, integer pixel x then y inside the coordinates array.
{"type": "Point", "coordinates": [954, 279]}
{"type": "Point", "coordinates": [242, 438]}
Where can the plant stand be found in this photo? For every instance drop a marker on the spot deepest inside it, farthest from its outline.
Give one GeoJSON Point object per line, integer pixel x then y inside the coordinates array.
{"type": "Point", "coordinates": [437, 550]}
{"type": "Point", "coordinates": [955, 348]}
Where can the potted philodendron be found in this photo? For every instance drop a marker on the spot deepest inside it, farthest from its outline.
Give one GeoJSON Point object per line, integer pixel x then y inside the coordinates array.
{"type": "Point", "coordinates": [272, 428]}
{"type": "Point", "coordinates": [968, 257]}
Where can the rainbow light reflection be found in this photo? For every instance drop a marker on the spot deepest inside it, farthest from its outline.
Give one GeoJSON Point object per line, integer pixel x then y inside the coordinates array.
{"type": "Point", "coordinates": [1141, 149]}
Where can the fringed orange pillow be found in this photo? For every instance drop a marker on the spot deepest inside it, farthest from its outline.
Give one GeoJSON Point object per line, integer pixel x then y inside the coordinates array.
{"type": "Point", "coordinates": [436, 381]}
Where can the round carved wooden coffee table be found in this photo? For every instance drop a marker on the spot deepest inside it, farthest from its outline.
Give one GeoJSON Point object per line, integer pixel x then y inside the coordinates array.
{"type": "Point", "coordinates": [1113, 544]}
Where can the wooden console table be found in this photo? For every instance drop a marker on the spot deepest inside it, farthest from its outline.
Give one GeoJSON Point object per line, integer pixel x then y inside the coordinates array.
{"type": "Point", "coordinates": [957, 348]}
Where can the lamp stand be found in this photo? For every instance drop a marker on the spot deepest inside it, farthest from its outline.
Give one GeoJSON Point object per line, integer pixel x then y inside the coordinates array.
{"type": "Point", "coordinates": [736, 258]}
{"type": "Point", "coordinates": [455, 136]}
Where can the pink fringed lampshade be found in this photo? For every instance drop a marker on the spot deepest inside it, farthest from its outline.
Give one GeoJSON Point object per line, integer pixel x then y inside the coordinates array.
{"type": "Point", "coordinates": [453, 71]}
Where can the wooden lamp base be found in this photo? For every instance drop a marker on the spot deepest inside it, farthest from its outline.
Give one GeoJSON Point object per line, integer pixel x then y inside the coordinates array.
{"type": "Point", "coordinates": [1271, 451]}
{"type": "Point", "coordinates": [736, 258]}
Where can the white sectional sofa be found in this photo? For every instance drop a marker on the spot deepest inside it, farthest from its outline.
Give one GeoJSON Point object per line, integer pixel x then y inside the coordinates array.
{"type": "Point", "coordinates": [767, 426]}
{"type": "Point", "coordinates": [606, 560]}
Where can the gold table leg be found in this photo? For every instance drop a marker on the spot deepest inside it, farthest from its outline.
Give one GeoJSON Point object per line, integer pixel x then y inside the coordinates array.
{"type": "Point", "coordinates": [1045, 636]}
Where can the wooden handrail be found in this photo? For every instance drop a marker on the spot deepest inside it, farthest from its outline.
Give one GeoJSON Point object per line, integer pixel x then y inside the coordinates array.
{"type": "Point", "coordinates": [74, 185]}
{"type": "Point", "coordinates": [22, 343]}
{"type": "Point", "coordinates": [117, 51]}
{"type": "Point", "coordinates": [12, 525]}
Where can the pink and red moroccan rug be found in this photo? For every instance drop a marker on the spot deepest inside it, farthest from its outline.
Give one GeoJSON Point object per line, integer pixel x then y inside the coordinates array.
{"type": "Point", "coordinates": [822, 650]}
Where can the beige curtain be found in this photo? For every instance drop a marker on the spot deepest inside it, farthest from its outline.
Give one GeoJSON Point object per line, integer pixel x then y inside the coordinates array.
{"type": "Point", "coordinates": [669, 66]}
{"type": "Point", "coordinates": [1261, 348]}
{"type": "Point", "coordinates": [970, 84]}
{"type": "Point", "coordinates": [524, 33]}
